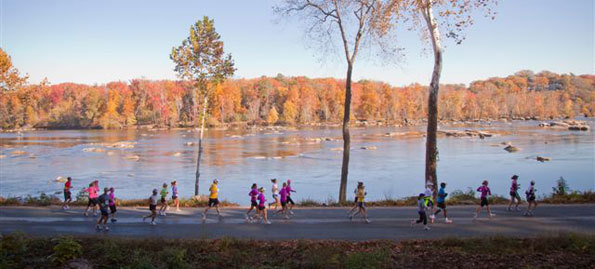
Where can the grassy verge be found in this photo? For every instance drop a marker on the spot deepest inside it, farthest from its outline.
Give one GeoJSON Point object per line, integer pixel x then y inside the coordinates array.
{"type": "Point", "coordinates": [456, 197]}
{"type": "Point", "coordinates": [21, 251]}
{"type": "Point", "coordinates": [47, 200]}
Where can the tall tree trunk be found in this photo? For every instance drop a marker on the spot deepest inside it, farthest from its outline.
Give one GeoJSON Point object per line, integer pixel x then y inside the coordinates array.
{"type": "Point", "coordinates": [346, 136]}
{"type": "Point", "coordinates": [431, 145]}
{"type": "Point", "coordinates": [202, 129]}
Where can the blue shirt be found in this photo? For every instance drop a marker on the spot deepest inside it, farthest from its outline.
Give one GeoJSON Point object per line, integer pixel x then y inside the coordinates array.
{"type": "Point", "coordinates": [441, 195]}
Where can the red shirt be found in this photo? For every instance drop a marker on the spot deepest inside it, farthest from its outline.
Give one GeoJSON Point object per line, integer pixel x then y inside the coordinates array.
{"type": "Point", "coordinates": [67, 186]}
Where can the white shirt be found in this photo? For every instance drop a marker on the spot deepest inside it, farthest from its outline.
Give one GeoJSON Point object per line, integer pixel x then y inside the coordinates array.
{"type": "Point", "coordinates": [275, 189]}
{"type": "Point", "coordinates": [154, 199]}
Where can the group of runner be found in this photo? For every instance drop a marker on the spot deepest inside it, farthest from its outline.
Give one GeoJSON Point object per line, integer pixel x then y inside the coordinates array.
{"type": "Point", "coordinates": [258, 211]}
{"type": "Point", "coordinates": [425, 202]}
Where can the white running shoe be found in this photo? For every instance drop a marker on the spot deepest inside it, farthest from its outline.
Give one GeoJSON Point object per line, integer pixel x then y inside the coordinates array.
{"type": "Point", "coordinates": [447, 221]}
{"type": "Point", "coordinates": [267, 222]}
{"type": "Point", "coordinates": [178, 210]}
{"type": "Point", "coordinates": [426, 228]}
{"type": "Point", "coordinates": [86, 214]}
{"type": "Point", "coordinates": [97, 227]}
{"type": "Point", "coordinates": [204, 217]}
{"type": "Point", "coordinates": [105, 228]}
{"type": "Point", "coordinates": [492, 215]}
{"type": "Point", "coordinates": [432, 216]}
{"type": "Point", "coordinates": [153, 223]}
{"type": "Point", "coordinates": [286, 217]}
{"type": "Point", "coordinates": [163, 213]}
{"type": "Point", "coordinates": [94, 214]}
{"type": "Point", "coordinates": [290, 212]}
{"type": "Point", "coordinates": [412, 223]}
{"type": "Point", "coordinates": [367, 220]}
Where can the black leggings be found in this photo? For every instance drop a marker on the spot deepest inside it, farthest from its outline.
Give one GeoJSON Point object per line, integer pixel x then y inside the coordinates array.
{"type": "Point", "coordinates": [422, 217]}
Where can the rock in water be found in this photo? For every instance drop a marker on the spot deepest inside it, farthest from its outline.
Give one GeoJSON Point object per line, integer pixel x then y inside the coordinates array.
{"type": "Point", "coordinates": [543, 159]}
{"type": "Point", "coordinates": [511, 148]}
{"type": "Point", "coordinates": [61, 179]}
{"type": "Point", "coordinates": [369, 147]}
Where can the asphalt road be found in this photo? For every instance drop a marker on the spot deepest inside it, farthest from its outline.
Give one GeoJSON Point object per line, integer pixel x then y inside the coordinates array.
{"type": "Point", "coordinates": [308, 223]}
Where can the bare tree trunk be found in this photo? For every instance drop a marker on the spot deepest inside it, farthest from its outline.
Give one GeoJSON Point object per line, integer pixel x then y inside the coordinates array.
{"type": "Point", "coordinates": [431, 145]}
{"type": "Point", "coordinates": [346, 136]}
{"type": "Point", "coordinates": [202, 128]}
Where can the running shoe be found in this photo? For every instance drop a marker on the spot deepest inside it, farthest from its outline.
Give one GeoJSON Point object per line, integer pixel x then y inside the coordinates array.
{"type": "Point", "coordinates": [426, 228]}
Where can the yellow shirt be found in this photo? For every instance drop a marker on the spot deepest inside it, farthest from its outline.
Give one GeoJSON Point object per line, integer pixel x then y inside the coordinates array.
{"type": "Point", "coordinates": [214, 190]}
{"type": "Point", "coordinates": [361, 193]}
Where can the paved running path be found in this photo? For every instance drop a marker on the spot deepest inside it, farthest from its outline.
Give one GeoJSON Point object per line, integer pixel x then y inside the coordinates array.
{"type": "Point", "coordinates": [307, 223]}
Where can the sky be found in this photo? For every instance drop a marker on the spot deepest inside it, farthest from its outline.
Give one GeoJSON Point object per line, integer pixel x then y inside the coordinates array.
{"type": "Point", "coordinates": [100, 41]}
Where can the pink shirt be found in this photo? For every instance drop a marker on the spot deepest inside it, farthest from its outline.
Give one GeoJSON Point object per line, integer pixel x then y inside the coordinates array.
{"type": "Point", "coordinates": [484, 191]}
{"type": "Point", "coordinates": [283, 194]}
{"type": "Point", "coordinates": [253, 193]}
{"type": "Point", "coordinates": [111, 198]}
{"type": "Point", "coordinates": [261, 200]}
{"type": "Point", "coordinates": [93, 192]}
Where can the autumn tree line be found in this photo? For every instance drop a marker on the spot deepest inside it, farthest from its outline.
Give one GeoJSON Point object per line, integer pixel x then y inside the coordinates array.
{"type": "Point", "coordinates": [291, 101]}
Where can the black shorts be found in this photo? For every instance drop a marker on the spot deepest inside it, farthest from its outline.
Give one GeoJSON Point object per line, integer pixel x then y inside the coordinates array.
{"type": "Point", "coordinates": [289, 200]}
{"type": "Point", "coordinates": [104, 211]}
{"type": "Point", "coordinates": [152, 207]}
{"type": "Point", "coordinates": [112, 209]}
{"type": "Point", "coordinates": [515, 194]}
{"type": "Point", "coordinates": [531, 199]}
{"type": "Point", "coordinates": [213, 202]}
{"type": "Point", "coordinates": [361, 204]}
{"type": "Point", "coordinates": [261, 207]}
{"type": "Point", "coordinates": [283, 204]}
{"type": "Point", "coordinates": [67, 195]}
{"type": "Point", "coordinates": [430, 203]}
{"type": "Point", "coordinates": [254, 204]}
{"type": "Point", "coordinates": [174, 197]}
{"type": "Point", "coordinates": [163, 200]}
{"type": "Point", "coordinates": [484, 202]}
{"type": "Point", "coordinates": [92, 202]}
{"type": "Point", "coordinates": [441, 205]}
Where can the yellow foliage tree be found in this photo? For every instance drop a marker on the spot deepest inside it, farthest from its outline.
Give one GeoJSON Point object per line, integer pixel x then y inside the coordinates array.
{"type": "Point", "coordinates": [273, 116]}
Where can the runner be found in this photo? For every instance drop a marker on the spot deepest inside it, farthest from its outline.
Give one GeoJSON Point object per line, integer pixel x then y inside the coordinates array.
{"type": "Point", "coordinates": [290, 202]}
{"type": "Point", "coordinates": [361, 194]}
{"type": "Point", "coordinates": [262, 209]}
{"type": "Point", "coordinates": [275, 190]}
{"type": "Point", "coordinates": [253, 204]}
{"type": "Point", "coordinates": [530, 193]}
{"type": "Point", "coordinates": [359, 183]}
{"type": "Point", "coordinates": [93, 191]}
{"type": "Point", "coordinates": [174, 195]}
{"type": "Point", "coordinates": [514, 193]}
{"type": "Point", "coordinates": [421, 210]}
{"type": "Point", "coordinates": [112, 204]}
{"type": "Point", "coordinates": [429, 199]}
{"type": "Point", "coordinates": [67, 193]}
{"type": "Point", "coordinates": [213, 201]}
{"type": "Point", "coordinates": [164, 194]}
{"type": "Point", "coordinates": [485, 192]}
{"type": "Point", "coordinates": [103, 201]}
{"type": "Point", "coordinates": [283, 195]}
{"type": "Point", "coordinates": [153, 207]}
{"type": "Point", "coordinates": [441, 203]}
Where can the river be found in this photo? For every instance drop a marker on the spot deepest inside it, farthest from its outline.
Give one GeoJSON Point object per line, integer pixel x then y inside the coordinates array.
{"type": "Point", "coordinates": [136, 161]}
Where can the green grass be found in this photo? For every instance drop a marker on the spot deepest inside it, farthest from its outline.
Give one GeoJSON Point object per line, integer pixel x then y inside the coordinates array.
{"type": "Point", "coordinates": [20, 251]}
{"type": "Point", "coordinates": [47, 200]}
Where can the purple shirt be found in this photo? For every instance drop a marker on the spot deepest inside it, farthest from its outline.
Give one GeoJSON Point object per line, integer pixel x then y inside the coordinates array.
{"type": "Point", "coordinates": [283, 194]}
{"type": "Point", "coordinates": [514, 187]}
{"type": "Point", "coordinates": [484, 191]}
{"type": "Point", "coordinates": [289, 190]}
{"type": "Point", "coordinates": [253, 193]}
{"type": "Point", "coordinates": [111, 199]}
{"type": "Point", "coordinates": [261, 200]}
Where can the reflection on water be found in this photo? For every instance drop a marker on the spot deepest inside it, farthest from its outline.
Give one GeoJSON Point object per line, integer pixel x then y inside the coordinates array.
{"type": "Point", "coordinates": [136, 161]}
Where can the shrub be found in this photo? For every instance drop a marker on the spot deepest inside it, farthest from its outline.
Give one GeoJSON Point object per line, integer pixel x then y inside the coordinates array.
{"type": "Point", "coordinates": [561, 188]}
{"type": "Point", "coordinates": [66, 249]}
{"type": "Point", "coordinates": [174, 258]}
{"type": "Point", "coordinates": [12, 249]}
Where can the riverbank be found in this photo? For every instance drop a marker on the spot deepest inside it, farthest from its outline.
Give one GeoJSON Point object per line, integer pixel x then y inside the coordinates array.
{"type": "Point", "coordinates": [457, 197]}
{"type": "Point", "coordinates": [564, 250]}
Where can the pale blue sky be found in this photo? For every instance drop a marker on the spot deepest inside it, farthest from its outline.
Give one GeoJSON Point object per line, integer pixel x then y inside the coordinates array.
{"type": "Point", "coordinates": [100, 41]}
